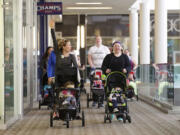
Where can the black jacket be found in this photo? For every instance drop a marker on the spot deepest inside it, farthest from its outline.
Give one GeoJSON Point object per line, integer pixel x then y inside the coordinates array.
{"type": "Point", "coordinates": [116, 63]}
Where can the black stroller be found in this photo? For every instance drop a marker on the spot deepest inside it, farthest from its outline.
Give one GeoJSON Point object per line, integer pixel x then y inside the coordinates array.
{"type": "Point", "coordinates": [47, 96]}
{"type": "Point", "coordinates": [117, 80]}
{"type": "Point", "coordinates": [96, 87]}
{"type": "Point", "coordinates": [67, 112]}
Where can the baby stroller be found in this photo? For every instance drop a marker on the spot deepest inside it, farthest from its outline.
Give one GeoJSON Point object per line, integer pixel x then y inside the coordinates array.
{"type": "Point", "coordinates": [82, 88]}
{"type": "Point", "coordinates": [116, 80]}
{"type": "Point", "coordinates": [46, 97]}
{"type": "Point", "coordinates": [67, 107]}
{"type": "Point", "coordinates": [96, 87]}
{"type": "Point", "coordinates": [132, 89]}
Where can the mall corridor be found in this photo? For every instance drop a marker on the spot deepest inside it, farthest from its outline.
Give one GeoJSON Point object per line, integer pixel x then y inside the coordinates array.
{"type": "Point", "coordinates": [146, 120]}
{"type": "Point", "coordinates": [79, 42]}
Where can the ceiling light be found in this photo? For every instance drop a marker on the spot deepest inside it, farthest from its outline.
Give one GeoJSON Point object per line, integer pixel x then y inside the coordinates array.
{"type": "Point", "coordinates": [89, 8]}
{"type": "Point", "coordinates": [92, 3]}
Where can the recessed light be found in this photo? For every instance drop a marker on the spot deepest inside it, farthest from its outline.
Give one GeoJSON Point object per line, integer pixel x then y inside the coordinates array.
{"type": "Point", "coordinates": [89, 8]}
{"type": "Point", "coordinates": [88, 3]}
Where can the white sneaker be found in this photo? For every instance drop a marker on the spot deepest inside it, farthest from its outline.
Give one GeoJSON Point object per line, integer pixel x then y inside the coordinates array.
{"type": "Point", "coordinates": [116, 110]}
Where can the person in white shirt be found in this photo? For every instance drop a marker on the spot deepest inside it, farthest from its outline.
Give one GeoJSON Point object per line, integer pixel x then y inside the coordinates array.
{"type": "Point", "coordinates": [96, 55]}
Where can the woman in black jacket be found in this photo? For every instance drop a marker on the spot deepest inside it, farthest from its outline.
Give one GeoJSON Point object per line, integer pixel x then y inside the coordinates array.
{"type": "Point", "coordinates": [116, 61]}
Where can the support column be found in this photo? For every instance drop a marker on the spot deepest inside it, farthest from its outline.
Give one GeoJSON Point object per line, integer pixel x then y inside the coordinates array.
{"type": "Point", "coordinates": [144, 33]}
{"type": "Point", "coordinates": [18, 58]}
{"type": "Point", "coordinates": [2, 107]}
{"type": "Point", "coordinates": [160, 31]}
{"type": "Point", "coordinates": [134, 34]}
{"type": "Point", "coordinates": [50, 42]}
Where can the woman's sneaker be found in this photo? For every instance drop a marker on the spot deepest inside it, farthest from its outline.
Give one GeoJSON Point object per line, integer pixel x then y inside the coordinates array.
{"type": "Point", "coordinates": [116, 110]}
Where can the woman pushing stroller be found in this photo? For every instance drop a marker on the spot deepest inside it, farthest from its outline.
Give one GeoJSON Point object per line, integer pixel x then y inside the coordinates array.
{"type": "Point", "coordinates": [65, 71]}
{"type": "Point", "coordinates": [116, 61]}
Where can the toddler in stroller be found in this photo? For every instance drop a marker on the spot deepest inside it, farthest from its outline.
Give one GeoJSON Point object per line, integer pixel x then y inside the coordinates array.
{"type": "Point", "coordinates": [46, 97]}
{"type": "Point", "coordinates": [67, 96]}
{"type": "Point", "coordinates": [115, 98]}
{"type": "Point", "coordinates": [96, 89]}
{"type": "Point", "coordinates": [67, 103]}
{"type": "Point", "coordinates": [115, 91]}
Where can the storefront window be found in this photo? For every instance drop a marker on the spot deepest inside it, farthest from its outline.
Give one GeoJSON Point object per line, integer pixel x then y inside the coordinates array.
{"type": "Point", "coordinates": [161, 81]}
{"type": "Point", "coordinates": [68, 29]}
{"type": "Point", "coordinates": [8, 60]}
{"type": "Point", "coordinates": [109, 27]}
{"type": "Point", "coordinates": [25, 91]}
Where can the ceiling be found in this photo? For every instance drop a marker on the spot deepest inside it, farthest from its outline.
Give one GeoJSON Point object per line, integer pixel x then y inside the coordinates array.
{"type": "Point", "coordinates": [118, 6]}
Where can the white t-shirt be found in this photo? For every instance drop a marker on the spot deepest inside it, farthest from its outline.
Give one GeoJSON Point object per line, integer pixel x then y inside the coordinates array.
{"type": "Point", "coordinates": [98, 54]}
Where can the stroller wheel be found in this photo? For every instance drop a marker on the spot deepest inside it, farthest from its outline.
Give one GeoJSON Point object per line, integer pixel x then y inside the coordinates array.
{"type": "Point", "coordinates": [110, 120]}
{"type": "Point", "coordinates": [124, 118]}
{"type": "Point", "coordinates": [128, 118]}
{"type": "Point", "coordinates": [137, 98]}
{"type": "Point", "coordinates": [106, 108]}
{"type": "Point", "coordinates": [104, 118]}
{"type": "Point", "coordinates": [51, 119]}
{"type": "Point", "coordinates": [39, 104]}
{"type": "Point", "coordinates": [108, 117]}
{"type": "Point", "coordinates": [83, 119]}
{"type": "Point", "coordinates": [88, 100]}
{"type": "Point", "coordinates": [67, 120]}
{"type": "Point", "coordinates": [79, 109]}
{"type": "Point", "coordinates": [127, 109]}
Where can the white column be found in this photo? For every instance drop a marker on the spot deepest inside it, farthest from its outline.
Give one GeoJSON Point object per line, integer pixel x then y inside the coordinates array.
{"type": "Point", "coordinates": [134, 34]}
{"type": "Point", "coordinates": [160, 31]}
{"type": "Point", "coordinates": [18, 58]}
{"type": "Point", "coordinates": [2, 66]}
{"type": "Point", "coordinates": [144, 33]}
{"type": "Point", "coordinates": [35, 50]}
{"type": "Point", "coordinates": [50, 42]}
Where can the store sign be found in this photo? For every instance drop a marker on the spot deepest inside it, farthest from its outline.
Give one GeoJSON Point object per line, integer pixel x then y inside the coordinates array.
{"type": "Point", "coordinates": [173, 25]}
{"type": "Point", "coordinates": [49, 8]}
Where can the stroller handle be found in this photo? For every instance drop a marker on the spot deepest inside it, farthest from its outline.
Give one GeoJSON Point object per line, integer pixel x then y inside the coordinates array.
{"type": "Point", "coordinates": [70, 89]}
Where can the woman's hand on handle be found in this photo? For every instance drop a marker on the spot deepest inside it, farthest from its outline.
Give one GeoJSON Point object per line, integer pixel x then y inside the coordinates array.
{"type": "Point", "coordinates": [124, 70]}
{"type": "Point", "coordinates": [108, 71]}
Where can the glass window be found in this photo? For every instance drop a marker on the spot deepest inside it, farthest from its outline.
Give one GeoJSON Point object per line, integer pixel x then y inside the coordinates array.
{"type": "Point", "coordinates": [25, 91]}
{"type": "Point", "coordinates": [8, 60]}
{"type": "Point", "coordinates": [161, 79]}
{"type": "Point", "coordinates": [109, 27]}
{"type": "Point", "coordinates": [68, 29]}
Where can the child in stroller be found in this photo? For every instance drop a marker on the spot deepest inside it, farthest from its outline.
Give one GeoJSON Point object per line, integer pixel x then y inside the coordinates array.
{"type": "Point", "coordinates": [46, 97]}
{"type": "Point", "coordinates": [115, 98]}
{"type": "Point", "coordinates": [67, 103]}
{"type": "Point", "coordinates": [116, 94]}
{"type": "Point", "coordinates": [96, 88]}
{"type": "Point", "coordinates": [68, 97]}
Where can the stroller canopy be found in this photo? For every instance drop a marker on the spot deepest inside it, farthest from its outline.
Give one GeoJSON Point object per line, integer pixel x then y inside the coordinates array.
{"type": "Point", "coordinates": [116, 79]}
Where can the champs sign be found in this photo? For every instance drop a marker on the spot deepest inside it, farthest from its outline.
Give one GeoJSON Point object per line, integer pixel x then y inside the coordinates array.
{"type": "Point", "coordinates": [49, 8]}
